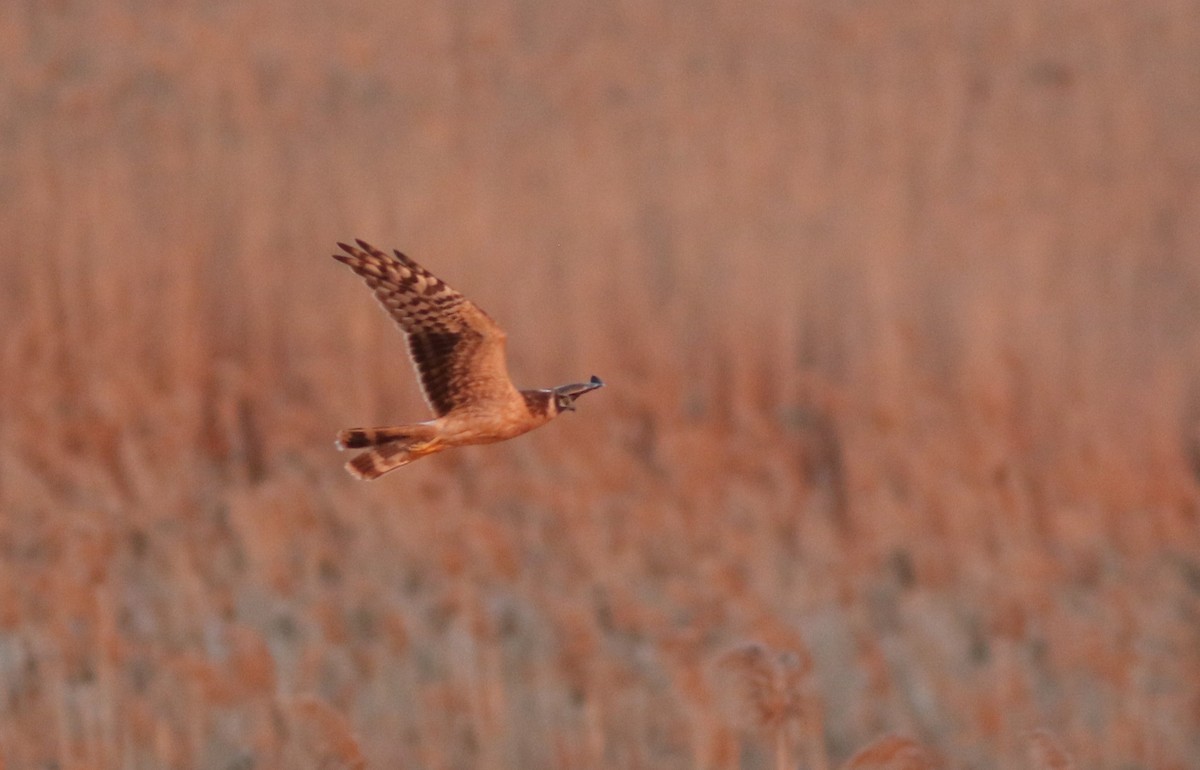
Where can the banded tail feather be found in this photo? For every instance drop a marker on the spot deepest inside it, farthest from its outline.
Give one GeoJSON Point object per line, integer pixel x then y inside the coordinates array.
{"type": "Point", "coordinates": [357, 438]}
{"type": "Point", "coordinates": [375, 462]}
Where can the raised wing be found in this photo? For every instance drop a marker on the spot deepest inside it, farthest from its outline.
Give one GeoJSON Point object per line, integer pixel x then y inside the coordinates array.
{"type": "Point", "coordinates": [457, 349]}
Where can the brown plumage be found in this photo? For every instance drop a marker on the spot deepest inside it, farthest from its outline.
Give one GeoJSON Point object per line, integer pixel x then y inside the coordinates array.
{"type": "Point", "coordinates": [458, 352]}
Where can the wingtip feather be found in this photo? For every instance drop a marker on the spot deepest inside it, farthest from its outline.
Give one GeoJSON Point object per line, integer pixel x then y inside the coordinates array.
{"type": "Point", "coordinates": [351, 256]}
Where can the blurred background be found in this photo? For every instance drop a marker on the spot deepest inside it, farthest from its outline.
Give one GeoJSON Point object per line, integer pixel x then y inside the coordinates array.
{"type": "Point", "coordinates": [899, 308]}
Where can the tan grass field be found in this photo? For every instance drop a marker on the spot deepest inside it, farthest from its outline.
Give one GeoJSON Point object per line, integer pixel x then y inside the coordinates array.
{"type": "Point", "coordinates": [899, 308]}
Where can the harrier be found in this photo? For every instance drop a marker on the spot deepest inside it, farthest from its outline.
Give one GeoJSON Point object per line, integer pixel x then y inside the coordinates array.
{"type": "Point", "coordinates": [458, 352]}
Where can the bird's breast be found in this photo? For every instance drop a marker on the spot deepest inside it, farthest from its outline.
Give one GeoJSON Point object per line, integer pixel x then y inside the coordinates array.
{"type": "Point", "coordinates": [484, 424]}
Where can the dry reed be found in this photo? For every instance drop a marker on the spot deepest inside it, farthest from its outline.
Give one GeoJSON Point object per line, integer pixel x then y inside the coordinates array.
{"type": "Point", "coordinates": [898, 304]}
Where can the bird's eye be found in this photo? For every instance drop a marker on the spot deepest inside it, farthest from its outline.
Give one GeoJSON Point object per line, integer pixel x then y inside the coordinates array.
{"type": "Point", "coordinates": [563, 402]}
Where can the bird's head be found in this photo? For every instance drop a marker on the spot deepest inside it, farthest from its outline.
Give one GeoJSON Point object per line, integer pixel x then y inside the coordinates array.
{"type": "Point", "coordinates": [564, 395]}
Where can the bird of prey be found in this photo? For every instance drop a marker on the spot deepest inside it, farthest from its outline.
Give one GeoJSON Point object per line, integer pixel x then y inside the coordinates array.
{"type": "Point", "coordinates": [458, 352]}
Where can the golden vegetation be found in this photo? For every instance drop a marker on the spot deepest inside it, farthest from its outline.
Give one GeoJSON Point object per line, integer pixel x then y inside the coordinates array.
{"type": "Point", "coordinates": [898, 304]}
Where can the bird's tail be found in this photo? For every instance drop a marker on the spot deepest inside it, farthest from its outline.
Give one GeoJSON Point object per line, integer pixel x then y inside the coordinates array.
{"type": "Point", "coordinates": [391, 447]}
{"type": "Point", "coordinates": [377, 461]}
{"type": "Point", "coordinates": [357, 438]}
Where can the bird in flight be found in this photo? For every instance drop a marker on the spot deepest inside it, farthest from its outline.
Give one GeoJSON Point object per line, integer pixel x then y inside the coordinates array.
{"type": "Point", "coordinates": [458, 352]}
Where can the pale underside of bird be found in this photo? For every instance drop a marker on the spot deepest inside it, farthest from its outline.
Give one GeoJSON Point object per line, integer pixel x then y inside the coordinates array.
{"type": "Point", "coordinates": [458, 353]}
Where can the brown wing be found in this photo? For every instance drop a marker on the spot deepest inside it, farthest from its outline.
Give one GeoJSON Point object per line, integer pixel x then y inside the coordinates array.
{"type": "Point", "coordinates": [457, 349]}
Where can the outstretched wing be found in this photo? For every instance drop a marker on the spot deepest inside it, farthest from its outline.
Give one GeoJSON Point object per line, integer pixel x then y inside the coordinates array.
{"type": "Point", "coordinates": [457, 349]}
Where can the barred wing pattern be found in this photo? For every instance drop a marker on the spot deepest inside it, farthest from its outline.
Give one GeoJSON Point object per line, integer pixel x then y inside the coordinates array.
{"type": "Point", "coordinates": [458, 351]}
